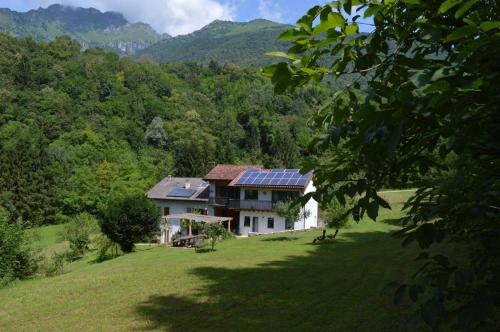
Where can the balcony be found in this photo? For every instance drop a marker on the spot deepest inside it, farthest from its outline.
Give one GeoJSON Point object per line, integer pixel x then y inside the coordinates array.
{"type": "Point", "coordinates": [238, 204]}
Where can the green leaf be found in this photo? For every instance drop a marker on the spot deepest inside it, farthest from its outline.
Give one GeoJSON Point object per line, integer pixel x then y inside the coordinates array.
{"type": "Point", "coordinates": [371, 10]}
{"type": "Point", "coordinates": [464, 8]}
{"type": "Point", "coordinates": [283, 55]}
{"type": "Point", "coordinates": [461, 33]}
{"type": "Point", "coordinates": [439, 86]}
{"type": "Point", "coordinates": [348, 6]}
{"type": "Point", "coordinates": [351, 29]}
{"type": "Point", "coordinates": [425, 235]}
{"type": "Point", "coordinates": [293, 34]}
{"type": "Point", "coordinates": [333, 20]}
{"type": "Point", "coordinates": [487, 26]}
{"type": "Point", "coordinates": [448, 4]}
{"type": "Point", "coordinates": [373, 210]}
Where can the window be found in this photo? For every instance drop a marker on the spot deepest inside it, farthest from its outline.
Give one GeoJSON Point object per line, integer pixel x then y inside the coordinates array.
{"type": "Point", "coordinates": [252, 194]}
{"type": "Point", "coordinates": [270, 222]}
{"type": "Point", "coordinates": [166, 211]}
{"type": "Point", "coordinates": [247, 221]}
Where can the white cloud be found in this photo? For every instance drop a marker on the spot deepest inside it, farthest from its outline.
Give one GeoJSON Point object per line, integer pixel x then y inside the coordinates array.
{"type": "Point", "coordinates": [172, 16]}
{"type": "Point", "coordinates": [271, 11]}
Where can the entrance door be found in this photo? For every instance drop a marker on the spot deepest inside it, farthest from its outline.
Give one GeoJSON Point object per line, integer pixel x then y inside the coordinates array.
{"type": "Point", "coordinates": [255, 224]}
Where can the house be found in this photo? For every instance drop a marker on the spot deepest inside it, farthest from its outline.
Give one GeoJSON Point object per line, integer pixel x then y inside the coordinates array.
{"type": "Point", "coordinates": [246, 193]}
{"type": "Point", "coordinates": [249, 194]}
{"type": "Point", "coordinates": [176, 196]}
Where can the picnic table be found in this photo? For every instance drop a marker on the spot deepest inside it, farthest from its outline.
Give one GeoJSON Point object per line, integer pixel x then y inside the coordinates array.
{"type": "Point", "coordinates": [188, 241]}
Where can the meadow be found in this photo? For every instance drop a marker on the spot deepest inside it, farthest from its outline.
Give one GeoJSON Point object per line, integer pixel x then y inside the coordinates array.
{"type": "Point", "coordinates": [281, 283]}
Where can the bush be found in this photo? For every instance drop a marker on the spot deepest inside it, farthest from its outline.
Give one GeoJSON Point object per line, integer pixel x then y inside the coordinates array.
{"type": "Point", "coordinates": [54, 265]}
{"type": "Point", "coordinates": [78, 232]}
{"type": "Point", "coordinates": [17, 259]}
{"type": "Point", "coordinates": [106, 248]}
{"type": "Point", "coordinates": [130, 219]}
{"type": "Point", "coordinates": [215, 232]}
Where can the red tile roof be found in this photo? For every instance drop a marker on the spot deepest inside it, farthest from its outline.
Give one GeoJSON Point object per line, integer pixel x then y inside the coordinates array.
{"type": "Point", "coordinates": [227, 172]}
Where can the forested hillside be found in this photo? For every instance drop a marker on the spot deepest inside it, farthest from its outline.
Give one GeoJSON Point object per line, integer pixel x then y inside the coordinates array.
{"type": "Point", "coordinates": [77, 127]}
{"type": "Point", "coordinates": [243, 43]}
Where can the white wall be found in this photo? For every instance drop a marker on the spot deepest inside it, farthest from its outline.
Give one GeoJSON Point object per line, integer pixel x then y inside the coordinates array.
{"type": "Point", "coordinates": [312, 206]}
{"type": "Point", "coordinates": [279, 222]}
{"type": "Point", "coordinates": [177, 207]}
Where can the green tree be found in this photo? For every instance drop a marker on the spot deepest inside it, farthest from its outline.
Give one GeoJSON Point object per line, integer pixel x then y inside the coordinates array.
{"type": "Point", "coordinates": [155, 133]}
{"type": "Point", "coordinates": [424, 81]}
{"type": "Point", "coordinates": [78, 232]}
{"type": "Point", "coordinates": [293, 212]}
{"type": "Point", "coordinates": [214, 233]}
{"type": "Point", "coordinates": [129, 219]}
{"type": "Point", "coordinates": [17, 258]}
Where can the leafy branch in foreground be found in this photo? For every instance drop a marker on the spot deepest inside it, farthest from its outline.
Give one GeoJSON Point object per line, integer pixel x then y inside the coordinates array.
{"type": "Point", "coordinates": [431, 91]}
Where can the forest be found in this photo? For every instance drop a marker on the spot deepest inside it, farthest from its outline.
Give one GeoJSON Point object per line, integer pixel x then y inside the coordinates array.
{"type": "Point", "coordinates": [79, 127]}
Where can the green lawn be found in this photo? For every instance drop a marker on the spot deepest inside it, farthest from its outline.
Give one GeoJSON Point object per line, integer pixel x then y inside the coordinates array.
{"type": "Point", "coordinates": [275, 283]}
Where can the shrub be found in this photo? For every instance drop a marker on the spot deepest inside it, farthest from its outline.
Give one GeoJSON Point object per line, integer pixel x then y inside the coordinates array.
{"type": "Point", "coordinates": [78, 232]}
{"type": "Point", "coordinates": [214, 233]}
{"type": "Point", "coordinates": [334, 215]}
{"type": "Point", "coordinates": [17, 259]}
{"type": "Point", "coordinates": [54, 265]}
{"type": "Point", "coordinates": [130, 219]}
{"type": "Point", "coordinates": [106, 248]}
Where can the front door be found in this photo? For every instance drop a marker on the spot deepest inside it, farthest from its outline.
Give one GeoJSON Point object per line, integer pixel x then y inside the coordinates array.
{"type": "Point", "coordinates": [255, 224]}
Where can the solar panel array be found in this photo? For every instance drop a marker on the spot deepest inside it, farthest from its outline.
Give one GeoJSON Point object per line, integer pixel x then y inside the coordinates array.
{"type": "Point", "coordinates": [181, 192]}
{"type": "Point", "coordinates": [275, 177]}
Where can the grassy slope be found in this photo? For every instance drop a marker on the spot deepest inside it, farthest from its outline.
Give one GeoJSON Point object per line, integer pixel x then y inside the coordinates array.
{"type": "Point", "coordinates": [279, 282]}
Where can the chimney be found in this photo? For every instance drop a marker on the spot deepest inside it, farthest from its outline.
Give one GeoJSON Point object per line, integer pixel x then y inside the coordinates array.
{"type": "Point", "coordinates": [187, 185]}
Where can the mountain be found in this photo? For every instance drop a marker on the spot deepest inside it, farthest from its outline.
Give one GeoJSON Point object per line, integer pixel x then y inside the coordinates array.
{"type": "Point", "coordinates": [223, 41]}
{"type": "Point", "coordinates": [89, 26]}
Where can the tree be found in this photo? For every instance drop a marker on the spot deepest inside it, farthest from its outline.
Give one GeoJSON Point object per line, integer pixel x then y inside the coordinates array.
{"type": "Point", "coordinates": [77, 232]}
{"type": "Point", "coordinates": [336, 215]}
{"type": "Point", "coordinates": [17, 258]}
{"type": "Point", "coordinates": [292, 212]}
{"type": "Point", "coordinates": [214, 233]}
{"type": "Point", "coordinates": [155, 133]}
{"type": "Point", "coordinates": [423, 82]}
{"type": "Point", "coordinates": [130, 219]}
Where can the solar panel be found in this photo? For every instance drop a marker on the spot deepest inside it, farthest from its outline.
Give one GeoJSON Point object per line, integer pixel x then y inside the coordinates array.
{"type": "Point", "coordinates": [181, 192]}
{"type": "Point", "coordinates": [274, 177]}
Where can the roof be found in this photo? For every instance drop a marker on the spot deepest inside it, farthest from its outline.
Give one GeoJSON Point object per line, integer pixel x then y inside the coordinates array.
{"type": "Point", "coordinates": [198, 218]}
{"type": "Point", "coordinates": [272, 178]}
{"type": "Point", "coordinates": [172, 188]}
{"type": "Point", "coordinates": [227, 172]}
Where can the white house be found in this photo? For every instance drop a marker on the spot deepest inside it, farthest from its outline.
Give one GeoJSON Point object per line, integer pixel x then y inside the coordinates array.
{"type": "Point", "coordinates": [247, 193]}
{"type": "Point", "coordinates": [179, 195]}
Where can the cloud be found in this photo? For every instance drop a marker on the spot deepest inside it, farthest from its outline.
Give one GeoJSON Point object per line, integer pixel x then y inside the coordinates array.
{"type": "Point", "coordinates": [172, 16]}
{"type": "Point", "coordinates": [271, 11]}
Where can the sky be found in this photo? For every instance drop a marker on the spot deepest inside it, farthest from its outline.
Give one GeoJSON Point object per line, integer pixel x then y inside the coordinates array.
{"type": "Point", "coordinates": [177, 17]}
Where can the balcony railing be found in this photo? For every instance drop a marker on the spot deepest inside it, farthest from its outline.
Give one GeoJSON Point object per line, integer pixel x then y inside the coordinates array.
{"type": "Point", "coordinates": [238, 204]}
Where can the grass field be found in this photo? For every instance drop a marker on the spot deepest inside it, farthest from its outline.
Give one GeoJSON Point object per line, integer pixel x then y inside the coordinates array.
{"type": "Point", "coordinates": [275, 283]}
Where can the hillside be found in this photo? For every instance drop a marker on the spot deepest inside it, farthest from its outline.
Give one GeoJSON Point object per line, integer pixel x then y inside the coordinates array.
{"type": "Point", "coordinates": [87, 122]}
{"type": "Point", "coordinates": [222, 41]}
{"type": "Point", "coordinates": [244, 285]}
{"type": "Point", "coordinates": [88, 26]}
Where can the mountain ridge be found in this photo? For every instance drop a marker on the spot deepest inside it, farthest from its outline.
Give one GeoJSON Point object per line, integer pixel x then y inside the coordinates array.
{"type": "Point", "coordinates": [89, 26]}
{"type": "Point", "coordinates": [242, 43]}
